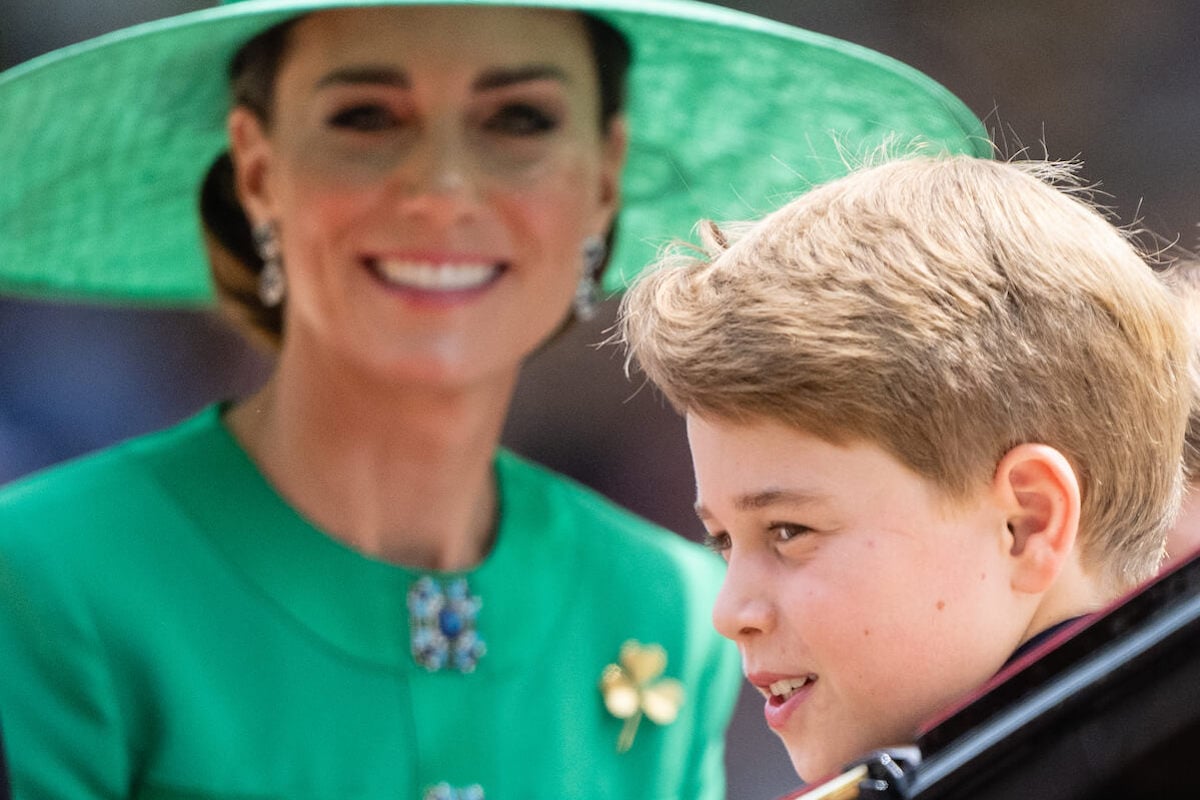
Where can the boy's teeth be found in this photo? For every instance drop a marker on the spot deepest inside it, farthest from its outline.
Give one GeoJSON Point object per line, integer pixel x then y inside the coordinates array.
{"type": "Point", "coordinates": [443, 277]}
{"type": "Point", "coordinates": [787, 687]}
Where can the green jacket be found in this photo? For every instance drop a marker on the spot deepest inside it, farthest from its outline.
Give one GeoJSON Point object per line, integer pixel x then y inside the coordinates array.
{"type": "Point", "coordinates": [170, 628]}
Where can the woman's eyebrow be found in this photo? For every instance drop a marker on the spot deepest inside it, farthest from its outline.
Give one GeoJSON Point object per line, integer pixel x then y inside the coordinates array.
{"type": "Point", "coordinates": [496, 78]}
{"type": "Point", "coordinates": [389, 76]}
{"type": "Point", "coordinates": [500, 77]}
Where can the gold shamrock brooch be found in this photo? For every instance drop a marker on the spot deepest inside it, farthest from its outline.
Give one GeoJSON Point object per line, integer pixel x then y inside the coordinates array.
{"type": "Point", "coordinates": [635, 687]}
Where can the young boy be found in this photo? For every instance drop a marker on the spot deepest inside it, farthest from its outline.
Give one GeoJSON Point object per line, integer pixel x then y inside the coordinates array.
{"type": "Point", "coordinates": [935, 409]}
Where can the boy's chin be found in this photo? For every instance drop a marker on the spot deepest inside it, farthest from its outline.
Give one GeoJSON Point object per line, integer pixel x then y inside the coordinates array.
{"type": "Point", "coordinates": [814, 764]}
{"type": "Point", "coordinates": [816, 761]}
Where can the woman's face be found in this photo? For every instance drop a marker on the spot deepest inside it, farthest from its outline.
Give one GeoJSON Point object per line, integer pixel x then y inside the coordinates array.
{"type": "Point", "coordinates": [432, 173]}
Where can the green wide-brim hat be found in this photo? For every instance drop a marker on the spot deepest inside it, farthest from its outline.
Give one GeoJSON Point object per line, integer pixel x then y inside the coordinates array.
{"type": "Point", "coordinates": [103, 144]}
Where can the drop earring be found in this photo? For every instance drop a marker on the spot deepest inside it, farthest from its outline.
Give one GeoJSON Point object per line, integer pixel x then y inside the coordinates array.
{"type": "Point", "coordinates": [272, 284]}
{"type": "Point", "coordinates": [587, 293]}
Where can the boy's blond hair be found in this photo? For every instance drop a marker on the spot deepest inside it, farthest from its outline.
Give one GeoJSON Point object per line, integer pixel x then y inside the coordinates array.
{"type": "Point", "coordinates": [945, 309]}
{"type": "Point", "coordinates": [1184, 279]}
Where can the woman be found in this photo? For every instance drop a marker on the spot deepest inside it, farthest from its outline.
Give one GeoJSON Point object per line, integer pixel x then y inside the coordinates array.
{"type": "Point", "coordinates": [341, 586]}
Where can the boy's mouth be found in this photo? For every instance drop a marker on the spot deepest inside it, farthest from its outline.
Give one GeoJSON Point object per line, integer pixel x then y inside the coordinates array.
{"type": "Point", "coordinates": [785, 694]}
{"type": "Point", "coordinates": [780, 691]}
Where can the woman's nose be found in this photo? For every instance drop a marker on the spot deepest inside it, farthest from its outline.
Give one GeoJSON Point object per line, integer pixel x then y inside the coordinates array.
{"type": "Point", "coordinates": [437, 179]}
{"type": "Point", "coordinates": [743, 608]}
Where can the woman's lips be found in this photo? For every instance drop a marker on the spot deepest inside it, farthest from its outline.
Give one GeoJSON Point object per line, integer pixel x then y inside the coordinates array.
{"type": "Point", "coordinates": [430, 276]}
{"type": "Point", "coordinates": [435, 283]}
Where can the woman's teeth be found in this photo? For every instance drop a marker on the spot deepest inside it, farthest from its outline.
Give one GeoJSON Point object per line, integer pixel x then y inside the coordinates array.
{"type": "Point", "coordinates": [789, 686]}
{"type": "Point", "coordinates": [435, 278]}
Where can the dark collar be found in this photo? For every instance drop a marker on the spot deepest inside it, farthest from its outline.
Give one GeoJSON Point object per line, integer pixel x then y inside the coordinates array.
{"type": "Point", "coordinates": [1040, 637]}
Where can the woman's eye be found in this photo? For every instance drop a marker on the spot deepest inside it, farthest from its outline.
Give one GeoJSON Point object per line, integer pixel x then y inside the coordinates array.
{"type": "Point", "coordinates": [365, 118]}
{"type": "Point", "coordinates": [717, 542]}
{"type": "Point", "coordinates": [787, 531]}
{"type": "Point", "coordinates": [520, 119]}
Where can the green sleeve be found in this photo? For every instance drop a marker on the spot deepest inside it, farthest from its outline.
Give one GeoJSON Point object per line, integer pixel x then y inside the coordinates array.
{"type": "Point", "coordinates": [708, 749]}
{"type": "Point", "coordinates": [63, 732]}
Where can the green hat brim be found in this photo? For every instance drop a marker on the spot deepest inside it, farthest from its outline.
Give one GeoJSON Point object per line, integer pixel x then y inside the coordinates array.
{"type": "Point", "coordinates": [103, 144]}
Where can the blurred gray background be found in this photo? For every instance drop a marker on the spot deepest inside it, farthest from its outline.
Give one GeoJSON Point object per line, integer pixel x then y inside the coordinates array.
{"type": "Point", "coordinates": [1113, 82]}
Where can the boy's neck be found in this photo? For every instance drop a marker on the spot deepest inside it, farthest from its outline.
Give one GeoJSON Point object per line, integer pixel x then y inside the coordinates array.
{"type": "Point", "coordinates": [1075, 592]}
{"type": "Point", "coordinates": [1040, 637]}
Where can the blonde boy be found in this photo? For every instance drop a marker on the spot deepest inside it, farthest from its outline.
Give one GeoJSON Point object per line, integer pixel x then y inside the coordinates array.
{"type": "Point", "coordinates": [935, 408]}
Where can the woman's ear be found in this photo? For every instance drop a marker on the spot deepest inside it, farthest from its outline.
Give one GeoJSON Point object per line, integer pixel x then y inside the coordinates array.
{"type": "Point", "coordinates": [1039, 491]}
{"type": "Point", "coordinates": [250, 151]}
{"type": "Point", "coordinates": [615, 148]}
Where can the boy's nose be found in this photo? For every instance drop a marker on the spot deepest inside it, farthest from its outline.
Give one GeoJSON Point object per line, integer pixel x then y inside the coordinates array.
{"type": "Point", "coordinates": [743, 609]}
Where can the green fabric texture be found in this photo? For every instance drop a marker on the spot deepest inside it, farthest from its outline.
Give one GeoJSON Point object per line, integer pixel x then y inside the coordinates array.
{"type": "Point", "coordinates": [103, 144]}
{"type": "Point", "coordinates": [170, 628]}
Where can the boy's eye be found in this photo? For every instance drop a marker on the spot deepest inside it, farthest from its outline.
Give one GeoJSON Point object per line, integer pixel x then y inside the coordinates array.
{"type": "Point", "coordinates": [787, 531]}
{"type": "Point", "coordinates": [717, 542]}
{"type": "Point", "coordinates": [522, 119]}
{"type": "Point", "coordinates": [365, 118]}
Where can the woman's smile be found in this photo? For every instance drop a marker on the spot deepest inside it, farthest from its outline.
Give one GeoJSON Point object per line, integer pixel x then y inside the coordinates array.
{"type": "Point", "coordinates": [447, 278]}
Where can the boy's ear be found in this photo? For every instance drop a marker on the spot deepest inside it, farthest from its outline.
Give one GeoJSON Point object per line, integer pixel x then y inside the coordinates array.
{"type": "Point", "coordinates": [1040, 494]}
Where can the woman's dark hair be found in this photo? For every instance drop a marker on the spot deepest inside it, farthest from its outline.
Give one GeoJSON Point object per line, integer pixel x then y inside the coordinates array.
{"type": "Point", "coordinates": [234, 259]}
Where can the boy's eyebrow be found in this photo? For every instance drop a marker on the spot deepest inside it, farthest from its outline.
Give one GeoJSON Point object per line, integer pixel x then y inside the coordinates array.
{"type": "Point", "coordinates": [497, 78]}
{"type": "Point", "coordinates": [753, 501]}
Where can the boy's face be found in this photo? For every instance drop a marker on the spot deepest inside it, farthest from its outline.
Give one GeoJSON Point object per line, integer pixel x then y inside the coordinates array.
{"type": "Point", "coordinates": [861, 599]}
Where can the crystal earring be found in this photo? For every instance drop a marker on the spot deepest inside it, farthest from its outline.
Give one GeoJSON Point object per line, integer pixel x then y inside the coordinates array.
{"type": "Point", "coordinates": [587, 293]}
{"type": "Point", "coordinates": [271, 282]}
